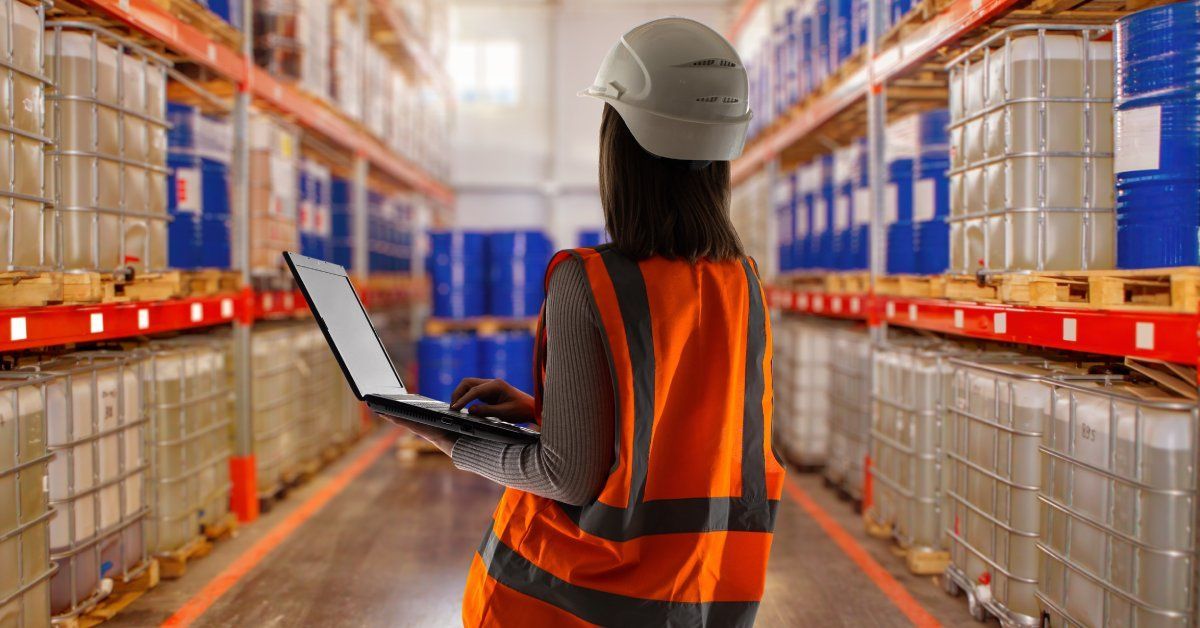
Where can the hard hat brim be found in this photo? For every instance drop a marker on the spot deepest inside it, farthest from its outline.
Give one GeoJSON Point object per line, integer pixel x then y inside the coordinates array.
{"type": "Point", "coordinates": [675, 138]}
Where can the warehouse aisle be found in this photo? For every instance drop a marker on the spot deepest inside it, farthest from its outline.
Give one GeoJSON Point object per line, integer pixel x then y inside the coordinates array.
{"type": "Point", "coordinates": [392, 550]}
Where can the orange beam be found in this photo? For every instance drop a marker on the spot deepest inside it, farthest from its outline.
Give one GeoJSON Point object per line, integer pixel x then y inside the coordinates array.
{"type": "Point", "coordinates": [743, 16]}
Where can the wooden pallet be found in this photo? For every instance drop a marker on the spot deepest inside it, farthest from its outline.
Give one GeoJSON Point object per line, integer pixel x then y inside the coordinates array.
{"type": "Point", "coordinates": [30, 289]}
{"type": "Point", "coordinates": [876, 529]}
{"type": "Point", "coordinates": [1163, 289]}
{"type": "Point", "coordinates": [483, 325]}
{"type": "Point", "coordinates": [199, 16]}
{"type": "Point", "coordinates": [124, 594]}
{"type": "Point", "coordinates": [926, 562]}
{"type": "Point", "coordinates": [173, 565]}
{"type": "Point", "coordinates": [267, 500]}
{"type": "Point", "coordinates": [917, 286]}
{"type": "Point", "coordinates": [209, 282]}
{"type": "Point", "coordinates": [225, 528]}
{"type": "Point", "coordinates": [848, 283]}
{"type": "Point", "coordinates": [158, 286]}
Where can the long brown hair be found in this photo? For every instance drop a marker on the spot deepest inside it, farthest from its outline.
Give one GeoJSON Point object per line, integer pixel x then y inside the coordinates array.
{"type": "Point", "coordinates": [664, 207]}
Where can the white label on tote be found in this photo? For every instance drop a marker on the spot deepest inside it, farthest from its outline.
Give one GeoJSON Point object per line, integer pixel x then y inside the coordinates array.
{"type": "Point", "coordinates": [1138, 138]}
{"type": "Point", "coordinates": [891, 204]}
{"type": "Point", "coordinates": [819, 217]}
{"type": "Point", "coordinates": [841, 212]}
{"type": "Point", "coordinates": [862, 206]}
{"type": "Point", "coordinates": [188, 192]}
{"type": "Point", "coordinates": [924, 199]}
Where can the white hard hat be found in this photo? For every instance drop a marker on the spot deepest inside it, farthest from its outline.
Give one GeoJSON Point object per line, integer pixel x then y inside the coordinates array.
{"type": "Point", "coordinates": [681, 89]}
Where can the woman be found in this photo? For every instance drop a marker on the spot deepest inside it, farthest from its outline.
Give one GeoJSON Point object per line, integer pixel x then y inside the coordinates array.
{"type": "Point", "coordinates": [650, 498]}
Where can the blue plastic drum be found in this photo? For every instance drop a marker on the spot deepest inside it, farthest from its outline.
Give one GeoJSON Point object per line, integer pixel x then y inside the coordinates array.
{"type": "Point", "coordinates": [1157, 161]}
{"type": "Point", "coordinates": [899, 218]}
{"type": "Point", "coordinates": [517, 263]}
{"type": "Point", "coordinates": [508, 356]}
{"type": "Point", "coordinates": [456, 267]}
{"type": "Point", "coordinates": [443, 361]}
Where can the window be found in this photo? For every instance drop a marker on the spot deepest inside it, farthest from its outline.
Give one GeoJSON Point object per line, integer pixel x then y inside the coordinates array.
{"type": "Point", "coordinates": [486, 72]}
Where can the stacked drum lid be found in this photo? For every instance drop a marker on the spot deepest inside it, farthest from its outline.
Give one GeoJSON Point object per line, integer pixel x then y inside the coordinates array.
{"type": "Point", "coordinates": [97, 431]}
{"type": "Point", "coordinates": [107, 115]}
{"type": "Point", "coordinates": [802, 363]}
{"type": "Point", "coordinates": [1158, 137]}
{"type": "Point", "coordinates": [1119, 509]}
{"type": "Point", "coordinates": [25, 567]}
{"type": "Point", "coordinates": [25, 203]}
{"type": "Point", "coordinates": [850, 411]}
{"type": "Point", "coordinates": [1031, 185]}
{"type": "Point", "coordinates": [190, 405]}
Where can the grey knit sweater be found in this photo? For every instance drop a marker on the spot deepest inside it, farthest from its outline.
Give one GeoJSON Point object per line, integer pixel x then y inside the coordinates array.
{"type": "Point", "coordinates": [571, 461]}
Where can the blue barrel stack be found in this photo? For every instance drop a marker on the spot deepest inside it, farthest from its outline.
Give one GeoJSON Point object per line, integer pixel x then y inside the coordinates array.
{"type": "Point", "coordinates": [342, 203]}
{"type": "Point", "coordinates": [1157, 162]}
{"type": "Point", "coordinates": [443, 361]}
{"type": "Point", "coordinates": [199, 148]}
{"type": "Point", "coordinates": [457, 270]}
{"type": "Point", "coordinates": [931, 193]}
{"type": "Point", "coordinates": [315, 211]}
{"type": "Point", "coordinates": [589, 238]}
{"type": "Point", "coordinates": [516, 269]}
{"type": "Point", "coordinates": [508, 356]}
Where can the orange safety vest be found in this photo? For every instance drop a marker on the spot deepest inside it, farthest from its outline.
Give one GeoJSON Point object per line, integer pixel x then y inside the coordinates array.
{"type": "Point", "coordinates": [680, 533]}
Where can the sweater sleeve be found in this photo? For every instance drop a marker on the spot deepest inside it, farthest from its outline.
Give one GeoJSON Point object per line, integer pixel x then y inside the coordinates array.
{"type": "Point", "coordinates": [575, 452]}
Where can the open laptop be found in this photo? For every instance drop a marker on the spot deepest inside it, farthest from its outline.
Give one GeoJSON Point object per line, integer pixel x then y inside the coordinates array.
{"type": "Point", "coordinates": [352, 338]}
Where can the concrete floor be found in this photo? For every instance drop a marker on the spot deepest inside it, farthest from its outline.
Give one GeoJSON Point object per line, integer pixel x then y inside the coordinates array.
{"type": "Point", "coordinates": [392, 550]}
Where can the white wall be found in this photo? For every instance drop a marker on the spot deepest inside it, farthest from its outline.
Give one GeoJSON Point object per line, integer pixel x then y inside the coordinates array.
{"type": "Point", "coordinates": [534, 165]}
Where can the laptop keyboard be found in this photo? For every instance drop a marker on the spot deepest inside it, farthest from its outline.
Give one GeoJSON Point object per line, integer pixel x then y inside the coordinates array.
{"type": "Point", "coordinates": [437, 406]}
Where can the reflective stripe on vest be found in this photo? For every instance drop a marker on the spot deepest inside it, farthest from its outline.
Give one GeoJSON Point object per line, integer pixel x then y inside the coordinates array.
{"type": "Point", "coordinates": [637, 556]}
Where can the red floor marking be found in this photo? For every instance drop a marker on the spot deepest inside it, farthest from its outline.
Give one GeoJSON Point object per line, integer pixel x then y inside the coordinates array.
{"type": "Point", "coordinates": [224, 581]}
{"type": "Point", "coordinates": [890, 587]}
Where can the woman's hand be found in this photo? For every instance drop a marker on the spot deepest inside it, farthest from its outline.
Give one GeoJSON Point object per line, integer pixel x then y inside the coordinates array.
{"type": "Point", "coordinates": [497, 398]}
{"type": "Point", "coordinates": [441, 439]}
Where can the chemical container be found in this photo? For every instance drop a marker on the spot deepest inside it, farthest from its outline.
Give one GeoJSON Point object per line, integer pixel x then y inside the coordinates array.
{"type": "Point", "coordinates": [850, 409]}
{"type": "Point", "coordinates": [822, 216]}
{"type": "Point", "coordinates": [198, 188]}
{"type": "Point", "coordinates": [443, 361]}
{"type": "Point", "coordinates": [996, 416]}
{"type": "Point", "coordinates": [1119, 507]}
{"type": "Point", "coordinates": [274, 155]}
{"type": "Point", "coordinates": [897, 9]}
{"type": "Point", "coordinates": [458, 274]}
{"type": "Point", "coordinates": [822, 41]}
{"type": "Point", "coordinates": [25, 567]}
{"type": "Point", "coordinates": [804, 249]}
{"type": "Point", "coordinates": [314, 426]}
{"type": "Point", "coordinates": [277, 47]}
{"type": "Point", "coordinates": [845, 167]}
{"type": "Point", "coordinates": [107, 174]}
{"type": "Point", "coordinates": [931, 194]}
{"type": "Point", "coordinates": [25, 203]}
{"type": "Point", "coordinates": [313, 30]}
{"type": "Point", "coordinates": [1031, 184]}
{"type": "Point", "coordinates": [190, 403]}
{"type": "Point", "coordinates": [517, 263]}
{"type": "Point", "coordinates": [802, 373]}
{"type": "Point", "coordinates": [911, 378]}
{"type": "Point", "coordinates": [507, 356]}
{"type": "Point", "coordinates": [1158, 137]}
{"type": "Point", "coordinates": [860, 210]}
{"type": "Point", "coordinates": [97, 430]}
{"type": "Point", "coordinates": [808, 47]}
{"type": "Point", "coordinates": [901, 152]}
{"type": "Point", "coordinates": [315, 210]}
{"type": "Point", "coordinates": [349, 49]}
{"type": "Point", "coordinates": [276, 392]}
{"type": "Point", "coordinates": [590, 238]}
{"type": "Point", "coordinates": [785, 217]}
{"type": "Point", "coordinates": [342, 221]}
{"type": "Point", "coordinates": [843, 32]}
{"type": "Point", "coordinates": [228, 10]}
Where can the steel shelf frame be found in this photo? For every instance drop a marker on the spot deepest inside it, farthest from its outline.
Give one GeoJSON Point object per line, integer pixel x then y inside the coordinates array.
{"type": "Point", "coordinates": [239, 68]}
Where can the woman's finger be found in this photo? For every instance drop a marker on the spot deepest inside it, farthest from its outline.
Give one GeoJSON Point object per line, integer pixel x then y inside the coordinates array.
{"type": "Point", "coordinates": [466, 384]}
{"type": "Point", "coordinates": [486, 388]}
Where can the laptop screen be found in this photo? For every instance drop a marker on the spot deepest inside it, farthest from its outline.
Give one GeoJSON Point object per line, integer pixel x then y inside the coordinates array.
{"type": "Point", "coordinates": [350, 330]}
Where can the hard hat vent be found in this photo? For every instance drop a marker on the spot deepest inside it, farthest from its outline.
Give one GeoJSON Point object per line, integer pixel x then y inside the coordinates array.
{"type": "Point", "coordinates": [721, 63]}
